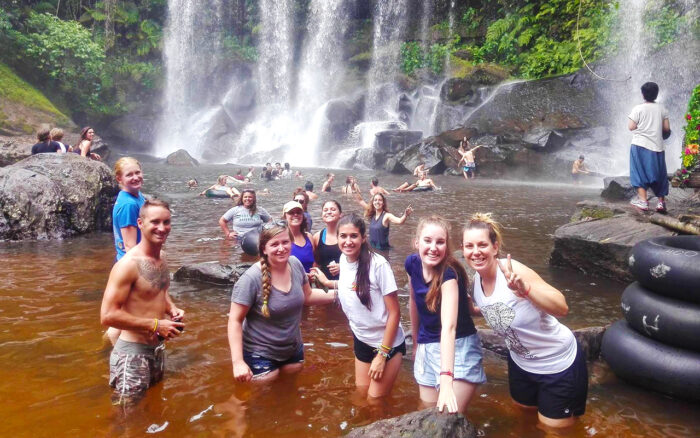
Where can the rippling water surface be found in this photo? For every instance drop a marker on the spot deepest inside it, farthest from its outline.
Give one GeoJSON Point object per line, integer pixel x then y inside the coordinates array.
{"type": "Point", "coordinates": [54, 363]}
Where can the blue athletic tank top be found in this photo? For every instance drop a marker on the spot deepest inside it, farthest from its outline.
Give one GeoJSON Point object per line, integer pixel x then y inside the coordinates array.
{"type": "Point", "coordinates": [378, 233]}
{"type": "Point", "coordinates": [305, 254]}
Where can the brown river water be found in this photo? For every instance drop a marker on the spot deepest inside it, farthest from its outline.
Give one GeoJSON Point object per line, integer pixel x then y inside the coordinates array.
{"type": "Point", "coordinates": [55, 365]}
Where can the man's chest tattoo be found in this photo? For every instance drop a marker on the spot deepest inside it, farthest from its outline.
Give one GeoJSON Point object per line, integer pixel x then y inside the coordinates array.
{"type": "Point", "coordinates": [157, 276]}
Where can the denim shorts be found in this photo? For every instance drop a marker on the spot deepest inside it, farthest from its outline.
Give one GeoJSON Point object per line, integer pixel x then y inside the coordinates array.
{"type": "Point", "coordinates": [468, 362]}
{"type": "Point", "coordinates": [260, 365]}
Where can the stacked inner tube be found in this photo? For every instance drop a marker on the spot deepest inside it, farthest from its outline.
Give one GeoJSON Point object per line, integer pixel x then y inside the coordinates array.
{"type": "Point", "coordinates": [657, 345]}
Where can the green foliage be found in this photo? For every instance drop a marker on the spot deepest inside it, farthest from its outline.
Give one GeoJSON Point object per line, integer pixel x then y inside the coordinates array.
{"type": "Point", "coordinates": [65, 54]}
{"type": "Point", "coordinates": [471, 20]}
{"type": "Point", "coordinates": [15, 89]}
{"type": "Point", "coordinates": [412, 57]}
{"type": "Point", "coordinates": [692, 128]}
{"type": "Point", "coordinates": [690, 156]}
{"type": "Point", "coordinates": [240, 49]}
{"type": "Point", "coordinates": [663, 23]}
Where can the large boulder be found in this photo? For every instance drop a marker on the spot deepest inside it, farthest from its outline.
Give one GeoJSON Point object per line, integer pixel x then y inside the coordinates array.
{"type": "Point", "coordinates": [14, 149]}
{"type": "Point", "coordinates": [211, 272]}
{"type": "Point", "coordinates": [419, 424]}
{"type": "Point", "coordinates": [342, 114]}
{"type": "Point", "coordinates": [51, 196]}
{"type": "Point", "coordinates": [465, 89]}
{"type": "Point", "coordinates": [395, 140]}
{"type": "Point", "coordinates": [601, 247]}
{"type": "Point", "coordinates": [618, 188]}
{"type": "Point", "coordinates": [434, 152]}
{"type": "Point", "coordinates": [181, 158]}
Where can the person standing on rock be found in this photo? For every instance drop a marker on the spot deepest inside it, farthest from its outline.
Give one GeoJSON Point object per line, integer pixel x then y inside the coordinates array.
{"type": "Point", "coordinates": [469, 168]}
{"type": "Point", "coordinates": [45, 145]}
{"type": "Point", "coordinates": [136, 301]}
{"type": "Point", "coordinates": [448, 359]}
{"type": "Point", "coordinates": [650, 126]}
{"type": "Point", "coordinates": [546, 365]}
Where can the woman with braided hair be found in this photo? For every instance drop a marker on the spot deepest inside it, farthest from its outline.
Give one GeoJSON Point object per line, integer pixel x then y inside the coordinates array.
{"type": "Point", "coordinates": [266, 305]}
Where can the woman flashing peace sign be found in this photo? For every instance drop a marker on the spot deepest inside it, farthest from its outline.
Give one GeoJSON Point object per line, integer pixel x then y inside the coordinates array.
{"type": "Point", "coordinates": [546, 367]}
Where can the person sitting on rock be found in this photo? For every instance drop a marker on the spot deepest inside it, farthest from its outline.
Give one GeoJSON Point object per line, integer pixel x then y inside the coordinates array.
{"type": "Point", "coordinates": [87, 134]}
{"type": "Point", "coordinates": [579, 169]}
{"type": "Point", "coordinates": [57, 136]}
{"type": "Point", "coordinates": [45, 145]}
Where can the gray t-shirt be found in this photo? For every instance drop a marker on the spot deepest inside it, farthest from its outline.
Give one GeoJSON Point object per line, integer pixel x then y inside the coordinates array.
{"type": "Point", "coordinates": [279, 336]}
{"type": "Point", "coordinates": [243, 221]}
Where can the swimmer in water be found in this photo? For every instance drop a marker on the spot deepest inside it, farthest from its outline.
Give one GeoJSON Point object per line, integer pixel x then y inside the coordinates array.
{"type": "Point", "coordinates": [220, 185]}
{"type": "Point", "coordinates": [375, 188]}
{"type": "Point", "coordinates": [327, 185]}
{"type": "Point", "coordinates": [423, 183]}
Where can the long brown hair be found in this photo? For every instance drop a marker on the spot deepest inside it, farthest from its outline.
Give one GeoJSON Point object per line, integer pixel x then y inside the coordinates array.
{"type": "Point", "coordinates": [370, 211]}
{"type": "Point", "coordinates": [266, 235]}
{"type": "Point", "coordinates": [433, 297]}
{"type": "Point", "coordinates": [362, 284]}
{"type": "Point", "coordinates": [254, 207]}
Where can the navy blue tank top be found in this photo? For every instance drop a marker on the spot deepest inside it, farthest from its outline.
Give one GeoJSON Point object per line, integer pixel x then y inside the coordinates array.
{"type": "Point", "coordinates": [378, 233]}
{"type": "Point", "coordinates": [305, 253]}
{"type": "Point", "coordinates": [326, 254]}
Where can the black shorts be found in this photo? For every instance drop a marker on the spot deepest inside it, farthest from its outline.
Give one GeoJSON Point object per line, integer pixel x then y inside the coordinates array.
{"type": "Point", "coordinates": [365, 353]}
{"type": "Point", "coordinates": [559, 395]}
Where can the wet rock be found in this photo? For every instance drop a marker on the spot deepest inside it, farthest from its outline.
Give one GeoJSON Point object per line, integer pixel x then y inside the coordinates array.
{"type": "Point", "coordinates": [465, 89]}
{"type": "Point", "coordinates": [181, 158]}
{"type": "Point", "coordinates": [433, 152]}
{"type": "Point", "coordinates": [601, 247]}
{"type": "Point", "coordinates": [342, 115]}
{"type": "Point", "coordinates": [14, 149]}
{"type": "Point", "coordinates": [134, 130]}
{"type": "Point", "coordinates": [618, 188]}
{"type": "Point", "coordinates": [420, 424]}
{"type": "Point", "coordinates": [239, 98]}
{"type": "Point", "coordinates": [589, 338]}
{"type": "Point", "coordinates": [545, 140]}
{"type": "Point", "coordinates": [395, 140]}
{"type": "Point", "coordinates": [588, 210]}
{"type": "Point", "coordinates": [211, 272]}
{"type": "Point", "coordinates": [52, 196]}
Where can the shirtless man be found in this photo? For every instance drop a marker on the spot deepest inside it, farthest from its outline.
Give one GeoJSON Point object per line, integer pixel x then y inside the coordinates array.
{"type": "Point", "coordinates": [376, 188]}
{"type": "Point", "coordinates": [579, 169]}
{"type": "Point", "coordinates": [468, 158]}
{"type": "Point", "coordinates": [136, 300]}
{"type": "Point", "coordinates": [419, 168]}
{"type": "Point", "coordinates": [309, 188]}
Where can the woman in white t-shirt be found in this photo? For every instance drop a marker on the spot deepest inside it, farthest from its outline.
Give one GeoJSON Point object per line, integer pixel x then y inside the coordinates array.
{"type": "Point", "coordinates": [546, 367]}
{"type": "Point", "coordinates": [367, 293]}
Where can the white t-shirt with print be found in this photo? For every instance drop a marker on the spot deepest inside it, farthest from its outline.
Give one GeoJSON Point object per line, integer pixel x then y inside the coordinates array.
{"type": "Point", "coordinates": [368, 325]}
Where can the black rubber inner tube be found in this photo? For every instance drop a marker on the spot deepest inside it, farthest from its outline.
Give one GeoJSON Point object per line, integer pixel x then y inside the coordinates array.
{"type": "Point", "coordinates": [667, 320]}
{"type": "Point", "coordinates": [650, 364]}
{"type": "Point", "coordinates": [669, 266]}
{"type": "Point", "coordinates": [249, 242]}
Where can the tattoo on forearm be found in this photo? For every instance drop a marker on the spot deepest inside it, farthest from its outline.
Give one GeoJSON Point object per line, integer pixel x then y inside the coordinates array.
{"type": "Point", "coordinates": [157, 276]}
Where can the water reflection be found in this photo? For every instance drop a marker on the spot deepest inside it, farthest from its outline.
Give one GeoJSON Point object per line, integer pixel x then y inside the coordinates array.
{"type": "Point", "coordinates": [54, 361]}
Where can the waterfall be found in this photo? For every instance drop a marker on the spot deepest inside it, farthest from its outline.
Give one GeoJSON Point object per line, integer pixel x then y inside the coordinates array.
{"type": "Point", "coordinates": [425, 25]}
{"type": "Point", "coordinates": [389, 24]}
{"type": "Point", "coordinates": [451, 21]}
{"type": "Point", "coordinates": [192, 41]}
{"type": "Point", "coordinates": [276, 48]}
{"type": "Point", "coordinates": [321, 67]}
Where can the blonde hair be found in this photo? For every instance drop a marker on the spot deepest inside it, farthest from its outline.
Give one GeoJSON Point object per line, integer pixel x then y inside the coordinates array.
{"type": "Point", "coordinates": [123, 162]}
{"type": "Point", "coordinates": [484, 221]}
{"type": "Point", "coordinates": [221, 180]}
{"type": "Point", "coordinates": [56, 134]}
{"type": "Point", "coordinates": [265, 236]}
{"type": "Point", "coordinates": [433, 297]}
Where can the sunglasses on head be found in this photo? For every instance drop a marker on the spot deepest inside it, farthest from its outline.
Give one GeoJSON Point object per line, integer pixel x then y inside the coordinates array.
{"type": "Point", "coordinates": [300, 200]}
{"type": "Point", "coordinates": [275, 223]}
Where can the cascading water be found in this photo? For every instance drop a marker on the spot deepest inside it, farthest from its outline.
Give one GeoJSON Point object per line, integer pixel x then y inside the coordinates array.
{"type": "Point", "coordinates": [425, 24]}
{"type": "Point", "coordinates": [192, 41]}
{"type": "Point", "coordinates": [275, 65]}
{"type": "Point", "coordinates": [389, 24]}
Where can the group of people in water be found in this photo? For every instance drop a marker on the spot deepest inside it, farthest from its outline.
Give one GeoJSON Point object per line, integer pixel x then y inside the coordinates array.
{"type": "Point", "coordinates": [49, 141]}
{"type": "Point", "coordinates": [340, 264]}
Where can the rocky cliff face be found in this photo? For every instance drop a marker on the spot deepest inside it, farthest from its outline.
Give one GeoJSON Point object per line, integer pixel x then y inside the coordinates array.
{"type": "Point", "coordinates": [51, 196]}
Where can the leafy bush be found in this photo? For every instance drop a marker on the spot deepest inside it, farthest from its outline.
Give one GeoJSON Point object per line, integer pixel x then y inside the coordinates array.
{"type": "Point", "coordinates": [690, 156]}
{"type": "Point", "coordinates": [65, 54]}
{"type": "Point", "coordinates": [412, 57]}
{"type": "Point", "coordinates": [663, 23]}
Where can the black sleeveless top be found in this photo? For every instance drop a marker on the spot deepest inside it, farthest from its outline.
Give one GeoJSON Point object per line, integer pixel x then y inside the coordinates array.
{"type": "Point", "coordinates": [326, 254]}
{"type": "Point", "coordinates": [378, 233]}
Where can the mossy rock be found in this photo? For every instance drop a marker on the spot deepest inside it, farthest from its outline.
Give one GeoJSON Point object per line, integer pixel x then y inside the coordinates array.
{"type": "Point", "coordinates": [588, 213]}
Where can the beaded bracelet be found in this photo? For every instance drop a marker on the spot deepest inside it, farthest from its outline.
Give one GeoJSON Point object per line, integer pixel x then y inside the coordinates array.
{"type": "Point", "coordinates": [380, 352]}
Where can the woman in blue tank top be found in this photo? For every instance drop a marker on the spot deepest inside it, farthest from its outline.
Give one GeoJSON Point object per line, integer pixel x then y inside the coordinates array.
{"type": "Point", "coordinates": [379, 220]}
{"type": "Point", "coordinates": [302, 245]}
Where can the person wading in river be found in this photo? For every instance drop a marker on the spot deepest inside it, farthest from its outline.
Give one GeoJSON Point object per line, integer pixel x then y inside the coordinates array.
{"type": "Point", "coordinates": [136, 300]}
